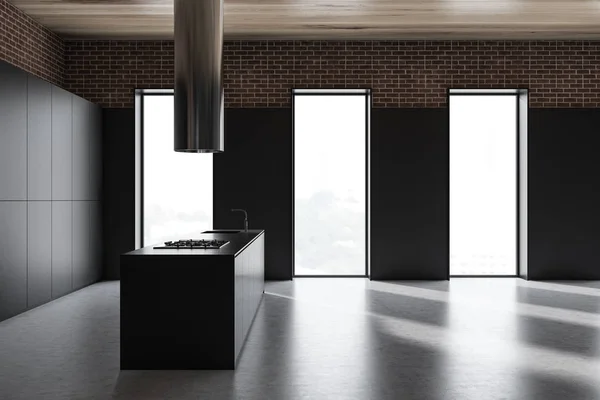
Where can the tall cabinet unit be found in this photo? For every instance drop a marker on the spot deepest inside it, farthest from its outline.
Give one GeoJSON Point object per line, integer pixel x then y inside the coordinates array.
{"type": "Point", "coordinates": [87, 167]}
{"type": "Point", "coordinates": [39, 139]}
{"type": "Point", "coordinates": [50, 192]}
{"type": "Point", "coordinates": [39, 191]}
{"type": "Point", "coordinates": [62, 145]}
{"type": "Point", "coordinates": [39, 250]}
{"type": "Point", "coordinates": [13, 133]}
{"type": "Point", "coordinates": [13, 191]}
{"type": "Point", "coordinates": [13, 258]}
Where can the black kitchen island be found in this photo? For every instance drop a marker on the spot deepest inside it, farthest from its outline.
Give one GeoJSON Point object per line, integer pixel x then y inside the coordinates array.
{"type": "Point", "coordinates": [190, 308]}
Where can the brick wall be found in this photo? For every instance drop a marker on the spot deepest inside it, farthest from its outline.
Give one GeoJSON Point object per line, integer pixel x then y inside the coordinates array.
{"type": "Point", "coordinates": [262, 73]}
{"type": "Point", "coordinates": [401, 73]}
{"type": "Point", "coordinates": [29, 46]}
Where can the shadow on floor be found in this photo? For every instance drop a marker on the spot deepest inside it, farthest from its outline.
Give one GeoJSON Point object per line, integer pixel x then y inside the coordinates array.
{"type": "Point", "coordinates": [399, 306]}
{"type": "Point", "coordinates": [152, 385]}
{"type": "Point", "coordinates": [555, 299]}
{"type": "Point", "coordinates": [441, 286]}
{"type": "Point", "coordinates": [583, 284]}
{"type": "Point", "coordinates": [545, 387]}
{"type": "Point", "coordinates": [560, 336]}
{"type": "Point", "coordinates": [392, 359]}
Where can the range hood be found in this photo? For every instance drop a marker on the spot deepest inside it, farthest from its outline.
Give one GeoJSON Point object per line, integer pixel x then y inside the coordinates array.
{"type": "Point", "coordinates": [199, 76]}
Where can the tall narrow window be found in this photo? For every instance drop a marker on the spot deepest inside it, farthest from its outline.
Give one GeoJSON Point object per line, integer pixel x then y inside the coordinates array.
{"type": "Point", "coordinates": [483, 184]}
{"type": "Point", "coordinates": [177, 187]}
{"type": "Point", "coordinates": [330, 183]}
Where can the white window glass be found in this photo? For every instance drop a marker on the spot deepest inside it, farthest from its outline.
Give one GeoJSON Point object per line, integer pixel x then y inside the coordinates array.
{"type": "Point", "coordinates": [330, 178]}
{"type": "Point", "coordinates": [178, 187]}
{"type": "Point", "coordinates": [483, 185]}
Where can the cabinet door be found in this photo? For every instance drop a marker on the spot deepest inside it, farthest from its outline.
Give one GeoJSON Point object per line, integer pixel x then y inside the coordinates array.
{"type": "Point", "coordinates": [13, 133]}
{"type": "Point", "coordinates": [96, 247]}
{"type": "Point", "coordinates": [82, 271]}
{"type": "Point", "coordinates": [13, 258]}
{"type": "Point", "coordinates": [247, 290]}
{"type": "Point", "coordinates": [62, 161]}
{"type": "Point", "coordinates": [239, 305]}
{"type": "Point", "coordinates": [95, 152]}
{"type": "Point", "coordinates": [261, 266]}
{"type": "Point", "coordinates": [62, 220]}
{"type": "Point", "coordinates": [39, 139]}
{"type": "Point", "coordinates": [81, 149]}
{"type": "Point", "coordinates": [252, 271]}
{"type": "Point", "coordinates": [39, 253]}
{"type": "Point", "coordinates": [257, 283]}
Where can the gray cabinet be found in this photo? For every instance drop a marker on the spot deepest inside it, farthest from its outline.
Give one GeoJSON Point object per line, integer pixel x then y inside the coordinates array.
{"type": "Point", "coordinates": [87, 150]}
{"type": "Point", "coordinates": [96, 253]}
{"type": "Point", "coordinates": [39, 139]}
{"type": "Point", "coordinates": [39, 253]}
{"type": "Point", "coordinates": [81, 266]}
{"type": "Point", "coordinates": [261, 270]}
{"type": "Point", "coordinates": [13, 133]}
{"type": "Point", "coordinates": [13, 258]}
{"type": "Point", "coordinates": [50, 192]}
{"type": "Point", "coordinates": [62, 236]}
{"type": "Point", "coordinates": [95, 152]}
{"type": "Point", "coordinates": [238, 307]}
{"type": "Point", "coordinates": [249, 287]}
{"type": "Point", "coordinates": [87, 243]}
{"type": "Point", "coordinates": [247, 290]}
{"type": "Point", "coordinates": [81, 149]}
{"type": "Point", "coordinates": [62, 161]}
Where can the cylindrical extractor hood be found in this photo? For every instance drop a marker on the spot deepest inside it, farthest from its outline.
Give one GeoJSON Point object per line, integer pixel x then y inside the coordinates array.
{"type": "Point", "coordinates": [199, 76]}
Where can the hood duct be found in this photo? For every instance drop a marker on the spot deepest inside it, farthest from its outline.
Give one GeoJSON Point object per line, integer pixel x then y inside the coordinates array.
{"type": "Point", "coordinates": [199, 76]}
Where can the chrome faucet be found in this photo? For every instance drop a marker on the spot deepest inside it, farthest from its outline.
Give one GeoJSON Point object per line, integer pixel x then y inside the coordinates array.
{"type": "Point", "coordinates": [245, 217]}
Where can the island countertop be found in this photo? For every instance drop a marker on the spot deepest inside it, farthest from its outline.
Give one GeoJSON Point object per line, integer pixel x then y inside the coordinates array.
{"type": "Point", "coordinates": [190, 309]}
{"type": "Point", "coordinates": [237, 243]}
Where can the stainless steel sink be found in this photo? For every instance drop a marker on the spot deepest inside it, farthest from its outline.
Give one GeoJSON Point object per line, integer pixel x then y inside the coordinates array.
{"type": "Point", "coordinates": [221, 231]}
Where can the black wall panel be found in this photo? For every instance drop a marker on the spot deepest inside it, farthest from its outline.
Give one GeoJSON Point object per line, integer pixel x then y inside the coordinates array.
{"type": "Point", "coordinates": [118, 186]}
{"type": "Point", "coordinates": [409, 189]}
{"type": "Point", "coordinates": [409, 194]}
{"type": "Point", "coordinates": [564, 194]}
{"type": "Point", "coordinates": [255, 173]}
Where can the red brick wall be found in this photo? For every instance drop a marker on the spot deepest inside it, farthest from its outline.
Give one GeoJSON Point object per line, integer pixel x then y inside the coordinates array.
{"type": "Point", "coordinates": [262, 73]}
{"type": "Point", "coordinates": [29, 46]}
{"type": "Point", "coordinates": [401, 73]}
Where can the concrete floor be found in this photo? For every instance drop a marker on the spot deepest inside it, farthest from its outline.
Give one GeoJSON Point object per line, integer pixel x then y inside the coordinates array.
{"type": "Point", "coordinates": [334, 339]}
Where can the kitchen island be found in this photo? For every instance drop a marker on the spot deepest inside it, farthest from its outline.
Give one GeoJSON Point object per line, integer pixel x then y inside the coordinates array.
{"type": "Point", "coordinates": [190, 308]}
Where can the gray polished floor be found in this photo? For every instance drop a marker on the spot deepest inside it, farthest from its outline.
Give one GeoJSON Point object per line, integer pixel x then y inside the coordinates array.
{"type": "Point", "coordinates": [334, 339]}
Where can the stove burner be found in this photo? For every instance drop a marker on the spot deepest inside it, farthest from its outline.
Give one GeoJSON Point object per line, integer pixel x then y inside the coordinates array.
{"type": "Point", "coordinates": [194, 244]}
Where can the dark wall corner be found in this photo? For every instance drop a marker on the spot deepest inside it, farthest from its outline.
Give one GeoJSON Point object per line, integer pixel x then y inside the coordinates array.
{"type": "Point", "coordinates": [564, 194]}
{"type": "Point", "coordinates": [119, 186]}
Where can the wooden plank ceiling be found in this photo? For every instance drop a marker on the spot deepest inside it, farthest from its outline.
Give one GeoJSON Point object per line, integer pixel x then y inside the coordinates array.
{"type": "Point", "coordinates": [331, 19]}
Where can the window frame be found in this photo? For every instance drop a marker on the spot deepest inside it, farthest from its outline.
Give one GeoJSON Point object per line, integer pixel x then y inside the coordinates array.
{"type": "Point", "coordinates": [368, 107]}
{"type": "Point", "coordinates": [140, 95]}
{"type": "Point", "coordinates": [521, 172]}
